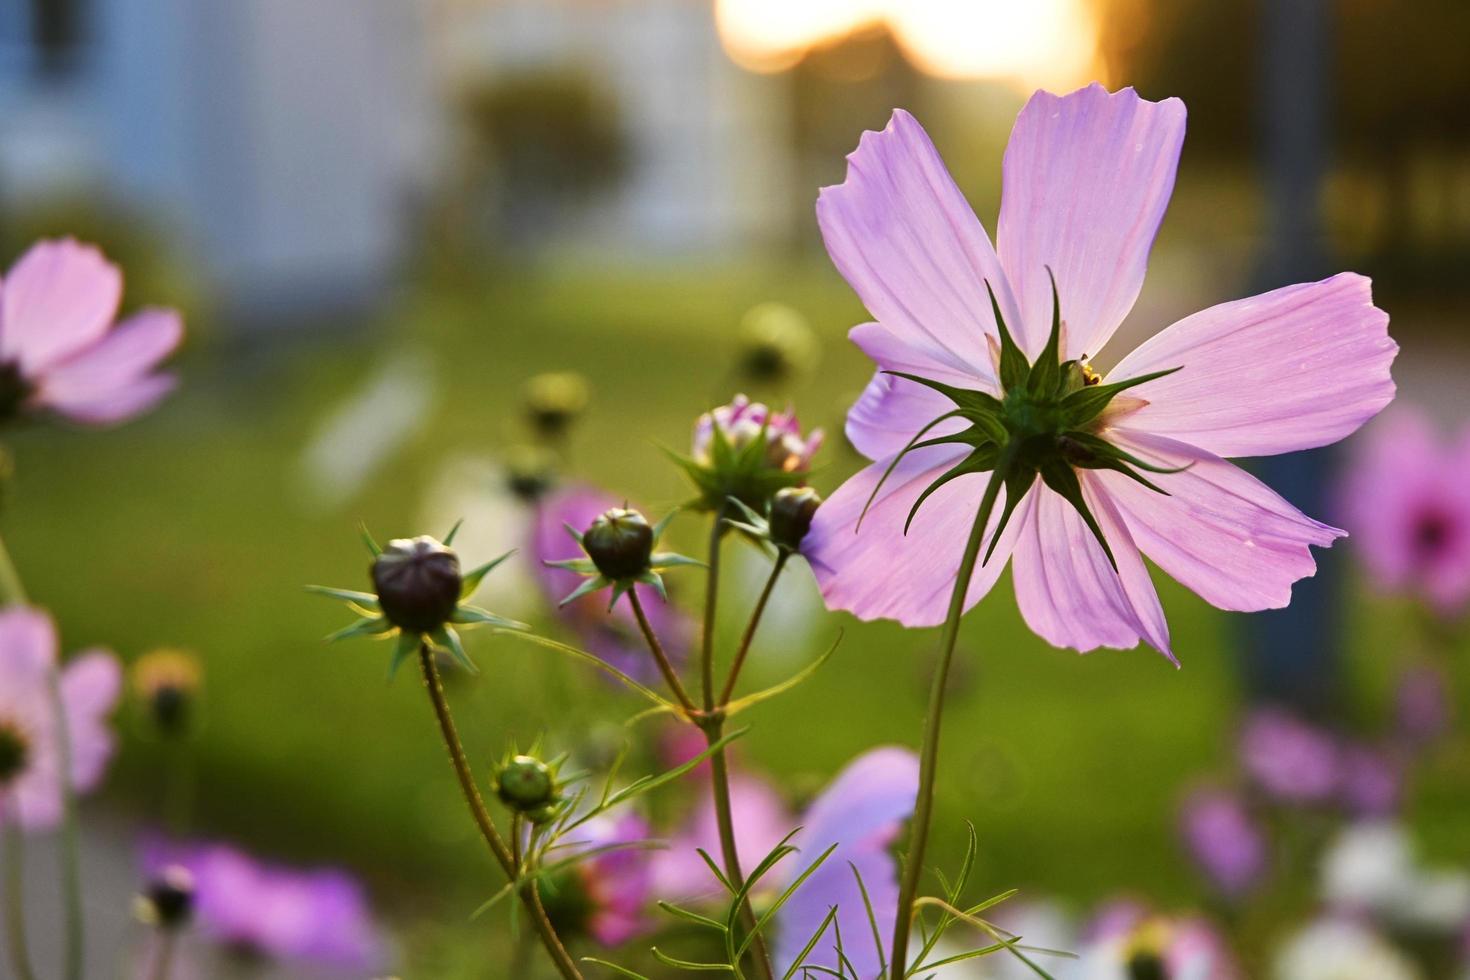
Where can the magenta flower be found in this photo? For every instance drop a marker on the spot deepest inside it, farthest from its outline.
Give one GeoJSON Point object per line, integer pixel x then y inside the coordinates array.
{"type": "Point", "coordinates": [30, 754]}
{"type": "Point", "coordinates": [1407, 498]}
{"type": "Point", "coordinates": [318, 916]}
{"type": "Point", "coordinates": [612, 636]}
{"type": "Point", "coordinates": [993, 346]}
{"type": "Point", "coordinates": [1290, 760]}
{"type": "Point", "coordinates": [617, 884]}
{"type": "Point", "coordinates": [1224, 840]}
{"type": "Point", "coordinates": [59, 350]}
{"type": "Point", "coordinates": [861, 812]}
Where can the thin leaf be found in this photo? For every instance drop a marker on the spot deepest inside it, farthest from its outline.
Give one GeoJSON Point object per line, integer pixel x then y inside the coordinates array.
{"type": "Point", "coordinates": [795, 680]}
{"type": "Point", "coordinates": [694, 917]}
{"type": "Point", "coordinates": [367, 539]}
{"type": "Point", "coordinates": [811, 944]}
{"type": "Point", "coordinates": [600, 664]}
{"type": "Point", "coordinates": [668, 960]}
{"type": "Point", "coordinates": [781, 900]}
{"type": "Point", "coordinates": [872, 919]}
{"type": "Point", "coordinates": [621, 971]}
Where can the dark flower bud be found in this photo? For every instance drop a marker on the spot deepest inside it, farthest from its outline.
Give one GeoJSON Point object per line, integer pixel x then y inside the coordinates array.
{"type": "Point", "coordinates": [166, 683]}
{"type": "Point", "coordinates": [168, 901]}
{"type": "Point", "coordinates": [530, 472]}
{"type": "Point", "coordinates": [418, 583]}
{"type": "Point", "coordinates": [554, 400]}
{"type": "Point", "coordinates": [792, 510]}
{"type": "Point", "coordinates": [620, 543]}
{"type": "Point", "coordinates": [1147, 965]}
{"type": "Point", "coordinates": [526, 784]}
{"type": "Point", "coordinates": [15, 752]}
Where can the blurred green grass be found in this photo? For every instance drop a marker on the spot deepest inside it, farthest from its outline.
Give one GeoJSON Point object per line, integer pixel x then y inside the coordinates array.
{"type": "Point", "coordinates": [185, 529]}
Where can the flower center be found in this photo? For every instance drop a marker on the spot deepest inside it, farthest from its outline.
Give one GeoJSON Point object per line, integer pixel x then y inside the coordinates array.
{"type": "Point", "coordinates": [14, 390]}
{"type": "Point", "coordinates": [1431, 533]}
{"type": "Point", "coordinates": [15, 752]}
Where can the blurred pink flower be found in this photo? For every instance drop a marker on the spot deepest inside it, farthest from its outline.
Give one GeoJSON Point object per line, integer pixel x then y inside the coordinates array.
{"type": "Point", "coordinates": [618, 884]}
{"type": "Point", "coordinates": [861, 811]}
{"type": "Point", "coordinates": [1406, 498]}
{"type": "Point", "coordinates": [612, 636]}
{"type": "Point", "coordinates": [1126, 940]}
{"type": "Point", "coordinates": [90, 685]}
{"type": "Point", "coordinates": [317, 916]}
{"type": "Point", "coordinates": [1224, 840]}
{"type": "Point", "coordinates": [741, 421]}
{"type": "Point", "coordinates": [1422, 708]}
{"type": "Point", "coordinates": [59, 349]}
{"type": "Point", "coordinates": [1371, 781]}
{"type": "Point", "coordinates": [1086, 180]}
{"type": "Point", "coordinates": [1292, 761]}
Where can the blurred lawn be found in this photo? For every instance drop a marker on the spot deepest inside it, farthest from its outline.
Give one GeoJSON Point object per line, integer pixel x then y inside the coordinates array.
{"type": "Point", "coordinates": [182, 529]}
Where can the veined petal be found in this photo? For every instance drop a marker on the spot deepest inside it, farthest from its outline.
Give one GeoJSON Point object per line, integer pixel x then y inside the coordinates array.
{"type": "Point", "coordinates": [1068, 592]}
{"type": "Point", "coordinates": [902, 234]}
{"type": "Point", "coordinates": [58, 298]}
{"type": "Point", "coordinates": [1086, 179]}
{"type": "Point", "coordinates": [1221, 532]}
{"type": "Point", "coordinates": [1291, 369]}
{"type": "Point", "coordinates": [876, 572]}
{"type": "Point", "coordinates": [890, 410]}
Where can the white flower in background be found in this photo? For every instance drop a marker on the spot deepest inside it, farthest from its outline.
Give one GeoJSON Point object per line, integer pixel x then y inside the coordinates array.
{"type": "Point", "coordinates": [1372, 868]}
{"type": "Point", "coordinates": [1039, 924]}
{"type": "Point", "coordinates": [1338, 949]}
{"type": "Point", "coordinates": [359, 434]}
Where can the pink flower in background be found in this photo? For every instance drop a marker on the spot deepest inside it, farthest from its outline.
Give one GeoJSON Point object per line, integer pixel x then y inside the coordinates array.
{"type": "Point", "coordinates": [1406, 498]}
{"type": "Point", "coordinates": [1126, 941]}
{"type": "Point", "coordinates": [1087, 177]}
{"type": "Point", "coordinates": [613, 636]}
{"type": "Point", "coordinates": [90, 685]}
{"type": "Point", "coordinates": [1422, 709]}
{"type": "Point", "coordinates": [59, 348]}
{"type": "Point", "coordinates": [618, 883]}
{"type": "Point", "coordinates": [1294, 762]}
{"type": "Point", "coordinates": [1224, 840]}
{"type": "Point", "coordinates": [1371, 781]}
{"type": "Point", "coordinates": [317, 916]}
{"type": "Point", "coordinates": [861, 811]}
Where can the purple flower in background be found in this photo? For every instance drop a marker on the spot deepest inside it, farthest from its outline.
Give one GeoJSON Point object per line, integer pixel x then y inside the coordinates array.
{"type": "Point", "coordinates": [1422, 706]}
{"type": "Point", "coordinates": [617, 883]}
{"type": "Point", "coordinates": [861, 811]}
{"type": "Point", "coordinates": [30, 756]}
{"type": "Point", "coordinates": [1371, 781]}
{"type": "Point", "coordinates": [1086, 180]}
{"type": "Point", "coordinates": [742, 420]}
{"type": "Point", "coordinates": [1294, 762]}
{"type": "Point", "coordinates": [1406, 497]}
{"type": "Point", "coordinates": [317, 916]}
{"type": "Point", "coordinates": [612, 636]}
{"type": "Point", "coordinates": [1224, 840]}
{"type": "Point", "coordinates": [59, 350]}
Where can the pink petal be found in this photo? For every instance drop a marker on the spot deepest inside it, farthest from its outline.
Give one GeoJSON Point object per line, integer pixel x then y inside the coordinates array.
{"type": "Point", "coordinates": [890, 411]}
{"type": "Point", "coordinates": [761, 821]}
{"type": "Point", "coordinates": [110, 381]}
{"type": "Point", "coordinates": [1086, 179]}
{"type": "Point", "coordinates": [1068, 592]}
{"type": "Point", "coordinates": [27, 646]}
{"type": "Point", "coordinates": [902, 234]}
{"type": "Point", "coordinates": [1221, 532]}
{"type": "Point", "coordinates": [59, 297]}
{"type": "Point", "coordinates": [1291, 369]}
{"type": "Point", "coordinates": [90, 686]}
{"type": "Point", "coordinates": [877, 572]}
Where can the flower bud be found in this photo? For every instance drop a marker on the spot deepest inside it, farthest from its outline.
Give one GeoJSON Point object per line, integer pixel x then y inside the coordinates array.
{"type": "Point", "coordinates": [776, 344]}
{"type": "Point", "coordinates": [554, 400]}
{"type": "Point", "coordinates": [166, 683]}
{"type": "Point", "coordinates": [792, 510]}
{"type": "Point", "coordinates": [168, 900]}
{"type": "Point", "coordinates": [530, 471]}
{"type": "Point", "coordinates": [620, 543]}
{"type": "Point", "coordinates": [526, 785]}
{"type": "Point", "coordinates": [418, 583]}
{"type": "Point", "coordinates": [15, 752]}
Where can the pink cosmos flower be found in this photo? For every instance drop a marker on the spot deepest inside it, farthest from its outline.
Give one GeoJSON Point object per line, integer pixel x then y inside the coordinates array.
{"type": "Point", "coordinates": [861, 812]}
{"type": "Point", "coordinates": [1086, 179]}
{"type": "Point", "coordinates": [617, 884]}
{"type": "Point", "coordinates": [1407, 498]}
{"type": "Point", "coordinates": [1126, 941]}
{"type": "Point", "coordinates": [741, 421]}
{"type": "Point", "coordinates": [1292, 761]}
{"type": "Point", "coordinates": [59, 349]}
{"type": "Point", "coordinates": [613, 636]}
{"type": "Point", "coordinates": [1224, 840]}
{"type": "Point", "coordinates": [318, 916]}
{"type": "Point", "coordinates": [1422, 709]}
{"type": "Point", "coordinates": [90, 685]}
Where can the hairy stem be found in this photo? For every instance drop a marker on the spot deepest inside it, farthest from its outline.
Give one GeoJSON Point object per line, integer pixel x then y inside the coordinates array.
{"type": "Point", "coordinates": [913, 861]}
{"type": "Point", "coordinates": [671, 676]}
{"type": "Point", "coordinates": [750, 628]}
{"type": "Point", "coordinates": [15, 914]}
{"type": "Point", "coordinates": [531, 896]}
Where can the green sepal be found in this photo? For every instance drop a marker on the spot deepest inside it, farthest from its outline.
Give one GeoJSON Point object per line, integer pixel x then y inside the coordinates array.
{"type": "Point", "coordinates": [1086, 404]}
{"type": "Point", "coordinates": [1013, 367]}
{"type": "Point", "coordinates": [656, 580]}
{"type": "Point", "coordinates": [446, 638]}
{"type": "Point", "coordinates": [1017, 483]}
{"type": "Point", "coordinates": [367, 539]}
{"type": "Point", "coordinates": [473, 578]}
{"type": "Point", "coordinates": [667, 559]}
{"type": "Point", "coordinates": [976, 462]}
{"type": "Point", "coordinates": [374, 626]}
{"type": "Point", "coordinates": [964, 398]}
{"type": "Point", "coordinates": [576, 534]}
{"type": "Point", "coordinates": [1046, 373]}
{"type": "Point", "coordinates": [449, 538]}
{"type": "Point", "coordinates": [1063, 479]}
{"type": "Point", "coordinates": [663, 523]}
{"type": "Point", "coordinates": [893, 463]}
{"type": "Point", "coordinates": [475, 616]}
{"type": "Point", "coordinates": [1104, 450]}
{"type": "Point", "coordinates": [365, 599]}
{"type": "Point", "coordinates": [586, 588]}
{"type": "Point", "coordinates": [407, 646]}
{"type": "Point", "coordinates": [582, 566]}
{"type": "Point", "coordinates": [620, 587]}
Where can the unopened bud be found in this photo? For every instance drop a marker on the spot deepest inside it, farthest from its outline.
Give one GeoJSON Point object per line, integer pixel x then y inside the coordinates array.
{"type": "Point", "coordinates": [530, 471]}
{"type": "Point", "coordinates": [166, 683]}
{"type": "Point", "coordinates": [554, 400]}
{"type": "Point", "coordinates": [418, 583]}
{"type": "Point", "coordinates": [168, 900]}
{"type": "Point", "coordinates": [526, 784]}
{"type": "Point", "coordinates": [792, 510]}
{"type": "Point", "coordinates": [620, 543]}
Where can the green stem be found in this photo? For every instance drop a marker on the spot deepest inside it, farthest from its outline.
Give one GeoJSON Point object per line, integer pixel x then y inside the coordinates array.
{"type": "Point", "coordinates": [713, 726]}
{"type": "Point", "coordinates": [13, 592]}
{"type": "Point", "coordinates": [164, 961]}
{"type": "Point", "coordinates": [913, 862]}
{"type": "Point", "coordinates": [15, 910]}
{"type": "Point", "coordinates": [530, 897]}
{"type": "Point", "coordinates": [750, 627]}
{"type": "Point", "coordinates": [671, 676]}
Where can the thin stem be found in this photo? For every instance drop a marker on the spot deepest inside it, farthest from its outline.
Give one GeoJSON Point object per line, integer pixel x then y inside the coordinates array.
{"type": "Point", "coordinates": [15, 914]}
{"type": "Point", "coordinates": [13, 592]}
{"type": "Point", "coordinates": [163, 960]}
{"type": "Point", "coordinates": [750, 627]}
{"type": "Point", "coordinates": [662, 659]}
{"type": "Point", "coordinates": [530, 897]}
{"type": "Point", "coordinates": [719, 765]}
{"type": "Point", "coordinates": [913, 861]}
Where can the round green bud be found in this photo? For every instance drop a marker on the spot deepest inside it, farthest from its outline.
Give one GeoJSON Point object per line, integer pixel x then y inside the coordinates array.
{"type": "Point", "coordinates": [526, 785]}
{"type": "Point", "coordinates": [418, 583]}
{"type": "Point", "coordinates": [15, 752]}
{"type": "Point", "coordinates": [792, 510]}
{"type": "Point", "coordinates": [620, 543]}
{"type": "Point", "coordinates": [168, 900]}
